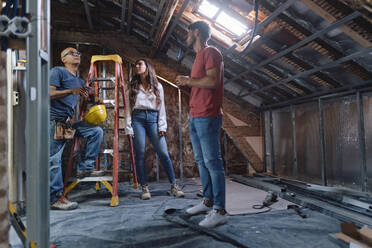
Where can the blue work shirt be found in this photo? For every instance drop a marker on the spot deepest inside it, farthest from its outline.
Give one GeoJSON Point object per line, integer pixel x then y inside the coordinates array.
{"type": "Point", "coordinates": [62, 79]}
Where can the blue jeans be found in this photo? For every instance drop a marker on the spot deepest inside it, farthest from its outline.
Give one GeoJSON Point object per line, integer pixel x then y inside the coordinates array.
{"type": "Point", "coordinates": [145, 122]}
{"type": "Point", "coordinates": [205, 139]}
{"type": "Point", "coordinates": [88, 157]}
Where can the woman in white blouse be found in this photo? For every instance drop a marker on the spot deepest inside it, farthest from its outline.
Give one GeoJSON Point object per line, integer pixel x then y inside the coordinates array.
{"type": "Point", "coordinates": [146, 101]}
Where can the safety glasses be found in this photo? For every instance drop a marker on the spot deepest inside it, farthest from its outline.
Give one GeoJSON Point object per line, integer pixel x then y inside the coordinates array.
{"type": "Point", "coordinates": [72, 53]}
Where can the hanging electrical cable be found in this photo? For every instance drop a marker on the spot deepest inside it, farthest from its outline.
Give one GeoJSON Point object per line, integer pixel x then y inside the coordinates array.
{"type": "Point", "coordinates": [253, 34]}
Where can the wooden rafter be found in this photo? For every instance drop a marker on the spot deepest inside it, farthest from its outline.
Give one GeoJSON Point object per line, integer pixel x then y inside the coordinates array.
{"type": "Point", "coordinates": [170, 7]}
{"type": "Point", "coordinates": [130, 11]}
{"type": "Point", "coordinates": [123, 6]}
{"type": "Point", "coordinates": [87, 13]}
{"type": "Point", "coordinates": [158, 14]}
{"type": "Point", "coordinates": [174, 24]}
{"type": "Point", "coordinates": [322, 11]}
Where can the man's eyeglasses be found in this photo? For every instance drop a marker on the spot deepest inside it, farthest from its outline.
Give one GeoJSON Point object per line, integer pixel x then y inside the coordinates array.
{"type": "Point", "coordinates": [72, 53]}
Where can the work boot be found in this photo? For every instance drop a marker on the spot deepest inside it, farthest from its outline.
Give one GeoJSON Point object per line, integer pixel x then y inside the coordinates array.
{"type": "Point", "coordinates": [214, 218]}
{"type": "Point", "coordinates": [145, 193]}
{"type": "Point", "coordinates": [82, 174]}
{"type": "Point", "coordinates": [198, 209]}
{"type": "Point", "coordinates": [63, 204]}
{"type": "Point", "coordinates": [176, 191]}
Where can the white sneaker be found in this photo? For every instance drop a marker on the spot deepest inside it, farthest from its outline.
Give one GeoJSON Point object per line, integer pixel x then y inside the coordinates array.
{"type": "Point", "coordinates": [198, 209]}
{"type": "Point", "coordinates": [213, 219]}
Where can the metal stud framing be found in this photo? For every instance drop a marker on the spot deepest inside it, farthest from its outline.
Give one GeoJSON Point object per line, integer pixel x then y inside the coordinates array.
{"type": "Point", "coordinates": [322, 144]}
{"type": "Point", "coordinates": [37, 125]}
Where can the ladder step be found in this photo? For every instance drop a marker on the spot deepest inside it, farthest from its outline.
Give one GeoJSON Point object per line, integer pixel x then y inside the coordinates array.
{"type": "Point", "coordinates": [111, 151]}
{"type": "Point", "coordinates": [120, 171]}
{"type": "Point", "coordinates": [94, 179]}
{"type": "Point", "coordinates": [108, 151]}
{"type": "Point", "coordinates": [107, 88]}
{"type": "Point", "coordinates": [121, 117]}
{"type": "Point", "coordinates": [112, 79]}
{"type": "Point", "coordinates": [111, 129]}
{"type": "Point", "coordinates": [109, 101]}
{"type": "Point", "coordinates": [112, 107]}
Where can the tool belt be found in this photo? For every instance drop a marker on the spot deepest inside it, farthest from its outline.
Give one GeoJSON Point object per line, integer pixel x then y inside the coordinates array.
{"type": "Point", "coordinates": [63, 129]}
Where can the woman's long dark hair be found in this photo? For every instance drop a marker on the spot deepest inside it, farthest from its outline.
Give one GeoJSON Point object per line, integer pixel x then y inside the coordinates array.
{"type": "Point", "coordinates": [152, 83]}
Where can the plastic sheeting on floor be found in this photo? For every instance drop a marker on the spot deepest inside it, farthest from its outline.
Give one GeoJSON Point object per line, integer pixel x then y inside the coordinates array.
{"type": "Point", "coordinates": [137, 223]}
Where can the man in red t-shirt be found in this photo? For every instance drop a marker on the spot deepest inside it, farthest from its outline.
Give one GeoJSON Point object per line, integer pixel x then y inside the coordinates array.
{"type": "Point", "coordinates": [206, 83]}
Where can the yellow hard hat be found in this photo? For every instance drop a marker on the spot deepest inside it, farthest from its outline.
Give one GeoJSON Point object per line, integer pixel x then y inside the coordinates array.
{"type": "Point", "coordinates": [96, 115]}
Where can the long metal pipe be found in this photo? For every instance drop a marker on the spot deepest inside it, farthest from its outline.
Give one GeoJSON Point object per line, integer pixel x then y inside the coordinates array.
{"type": "Point", "coordinates": [322, 142]}
{"type": "Point", "coordinates": [272, 143]}
{"type": "Point", "coordinates": [362, 142]}
{"type": "Point", "coordinates": [11, 170]}
{"type": "Point", "coordinates": [37, 125]}
{"type": "Point", "coordinates": [264, 142]}
{"type": "Point", "coordinates": [180, 131]}
{"type": "Point", "coordinates": [157, 167]}
{"type": "Point", "coordinates": [226, 157]}
{"type": "Point", "coordinates": [294, 144]}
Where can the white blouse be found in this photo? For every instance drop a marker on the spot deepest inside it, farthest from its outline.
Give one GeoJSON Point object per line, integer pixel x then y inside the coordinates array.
{"type": "Point", "coordinates": [146, 100]}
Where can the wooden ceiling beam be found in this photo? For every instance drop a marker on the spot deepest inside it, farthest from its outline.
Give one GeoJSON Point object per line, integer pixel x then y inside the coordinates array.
{"type": "Point", "coordinates": [157, 17]}
{"type": "Point", "coordinates": [170, 7]}
{"type": "Point", "coordinates": [174, 24]}
{"type": "Point", "coordinates": [130, 11]}
{"type": "Point", "coordinates": [123, 6]}
{"type": "Point", "coordinates": [331, 19]}
{"type": "Point", "coordinates": [120, 43]}
{"type": "Point", "coordinates": [87, 13]}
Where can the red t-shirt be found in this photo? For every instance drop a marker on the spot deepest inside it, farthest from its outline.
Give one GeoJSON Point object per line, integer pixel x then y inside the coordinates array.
{"type": "Point", "coordinates": [206, 102]}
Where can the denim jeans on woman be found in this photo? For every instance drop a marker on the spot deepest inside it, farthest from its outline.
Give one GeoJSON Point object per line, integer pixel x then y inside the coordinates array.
{"type": "Point", "coordinates": [87, 160]}
{"type": "Point", "coordinates": [205, 138]}
{"type": "Point", "coordinates": [145, 122]}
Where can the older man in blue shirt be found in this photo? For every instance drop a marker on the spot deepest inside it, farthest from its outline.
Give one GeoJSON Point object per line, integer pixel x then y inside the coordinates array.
{"type": "Point", "coordinates": [65, 87]}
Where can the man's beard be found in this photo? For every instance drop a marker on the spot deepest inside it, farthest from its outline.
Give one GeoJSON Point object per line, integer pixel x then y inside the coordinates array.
{"type": "Point", "coordinates": [190, 42]}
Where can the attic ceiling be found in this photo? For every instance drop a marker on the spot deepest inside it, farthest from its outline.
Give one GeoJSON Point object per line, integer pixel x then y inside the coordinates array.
{"type": "Point", "coordinates": [301, 48]}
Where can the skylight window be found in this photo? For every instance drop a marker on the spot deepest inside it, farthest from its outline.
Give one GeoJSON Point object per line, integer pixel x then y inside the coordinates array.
{"type": "Point", "coordinates": [231, 24]}
{"type": "Point", "coordinates": [207, 9]}
{"type": "Point", "coordinates": [222, 18]}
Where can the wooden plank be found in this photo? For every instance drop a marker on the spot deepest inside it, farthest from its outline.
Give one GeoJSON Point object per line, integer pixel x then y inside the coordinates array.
{"type": "Point", "coordinates": [174, 24]}
{"type": "Point", "coordinates": [349, 240]}
{"type": "Point", "coordinates": [226, 122]}
{"type": "Point", "coordinates": [247, 113]}
{"type": "Point", "coordinates": [247, 151]}
{"type": "Point", "coordinates": [242, 131]}
{"type": "Point", "coordinates": [170, 7]}
{"type": "Point", "coordinates": [87, 13]}
{"type": "Point", "coordinates": [123, 5]}
{"type": "Point", "coordinates": [130, 11]}
{"type": "Point", "coordinates": [158, 14]}
{"type": "Point", "coordinates": [330, 18]}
